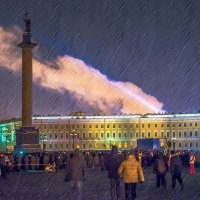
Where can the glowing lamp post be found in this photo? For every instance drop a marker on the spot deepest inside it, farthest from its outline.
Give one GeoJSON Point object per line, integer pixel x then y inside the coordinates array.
{"type": "Point", "coordinates": [73, 134]}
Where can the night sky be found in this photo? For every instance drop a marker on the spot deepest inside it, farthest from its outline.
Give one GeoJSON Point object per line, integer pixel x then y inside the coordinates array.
{"type": "Point", "coordinates": [106, 56]}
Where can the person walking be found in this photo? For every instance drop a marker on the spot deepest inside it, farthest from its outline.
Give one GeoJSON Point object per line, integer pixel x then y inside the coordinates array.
{"type": "Point", "coordinates": [175, 168]}
{"type": "Point", "coordinates": [192, 163]}
{"type": "Point", "coordinates": [132, 173]}
{"type": "Point", "coordinates": [76, 174]}
{"type": "Point", "coordinates": [160, 169]}
{"type": "Point", "coordinates": [112, 163]}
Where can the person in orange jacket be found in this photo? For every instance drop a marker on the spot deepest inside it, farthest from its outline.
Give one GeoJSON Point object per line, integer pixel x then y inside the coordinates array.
{"type": "Point", "coordinates": [132, 173]}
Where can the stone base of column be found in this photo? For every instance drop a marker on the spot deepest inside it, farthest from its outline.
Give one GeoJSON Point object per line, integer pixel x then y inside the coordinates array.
{"type": "Point", "coordinates": [27, 140]}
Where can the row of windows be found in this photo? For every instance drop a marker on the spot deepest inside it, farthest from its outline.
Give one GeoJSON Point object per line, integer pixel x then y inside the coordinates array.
{"type": "Point", "coordinates": [131, 134]}
{"type": "Point", "coordinates": [96, 145]}
{"type": "Point", "coordinates": [63, 126]}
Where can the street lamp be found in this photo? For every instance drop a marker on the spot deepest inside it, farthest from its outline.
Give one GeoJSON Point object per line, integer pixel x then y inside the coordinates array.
{"type": "Point", "coordinates": [73, 134]}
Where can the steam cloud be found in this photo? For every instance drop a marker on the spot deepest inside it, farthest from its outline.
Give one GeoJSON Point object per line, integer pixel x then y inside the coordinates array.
{"type": "Point", "coordinates": [83, 81]}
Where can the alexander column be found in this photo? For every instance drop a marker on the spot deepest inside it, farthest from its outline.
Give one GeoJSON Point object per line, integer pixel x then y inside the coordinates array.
{"type": "Point", "coordinates": [27, 137]}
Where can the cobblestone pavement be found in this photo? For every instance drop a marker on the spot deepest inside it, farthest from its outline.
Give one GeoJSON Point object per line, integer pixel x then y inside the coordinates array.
{"type": "Point", "coordinates": [41, 186]}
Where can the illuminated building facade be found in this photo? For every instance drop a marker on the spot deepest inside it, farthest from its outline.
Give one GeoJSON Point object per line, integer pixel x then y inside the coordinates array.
{"type": "Point", "coordinates": [62, 133]}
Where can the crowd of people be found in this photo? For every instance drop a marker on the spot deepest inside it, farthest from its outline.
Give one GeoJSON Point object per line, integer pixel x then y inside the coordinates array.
{"type": "Point", "coordinates": [126, 166]}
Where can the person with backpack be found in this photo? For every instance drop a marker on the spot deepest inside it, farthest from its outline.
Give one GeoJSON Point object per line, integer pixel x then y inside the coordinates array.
{"type": "Point", "coordinates": [175, 168]}
{"type": "Point", "coordinates": [192, 163]}
{"type": "Point", "coordinates": [160, 169]}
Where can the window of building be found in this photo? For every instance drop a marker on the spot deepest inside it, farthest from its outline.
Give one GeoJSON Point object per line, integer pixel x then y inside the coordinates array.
{"type": "Point", "coordinates": [173, 134]}
{"type": "Point", "coordinates": [149, 134]}
{"type": "Point", "coordinates": [196, 133]}
{"type": "Point", "coordinates": [168, 135]}
{"type": "Point", "coordinates": [190, 144]}
{"type": "Point", "coordinates": [83, 134]}
{"type": "Point", "coordinates": [90, 126]}
{"type": "Point", "coordinates": [131, 134]}
{"type": "Point", "coordinates": [167, 125]}
{"type": "Point", "coordinates": [155, 134]}
{"type": "Point", "coordinates": [185, 134]}
{"type": "Point", "coordinates": [136, 125]}
{"type": "Point", "coordinates": [73, 126]}
{"type": "Point", "coordinates": [149, 125]}
{"type": "Point", "coordinates": [56, 146]}
{"type": "Point", "coordinates": [61, 135]}
{"type": "Point", "coordinates": [101, 125]}
{"type": "Point", "coordinates": [77, 125]}
{"type": "Point", "coordinates": [185, 144]}
{"type": "Point", "coordinates": [83, 145]}
{"type": "Point", "coordinates": [125, 126]}
{"type": "Point", "coordinates": [83, 125]}
{"type": "Point", "coordinates": [179, 144]}
{"type": "Point", "coordinates": [45, 126]}
{"type": "Point", "coordinates": [119, 125]}
{"type": "Point", "coordinates": [137, 135]}
{"type": "Point", "coordinates": [196, 124]}
{"type": "Point", "coordinates": [162, 125]}
{"type": "Point", "coordinates": [107, 125]}
{"type": "Point", "coordinates": [197, 145]}
{"type": "Point", "coordinates": [90, 134]}
{"type": "Point", "coordinates": [101, 135]}
{"type": "Point", "coordinates": [50, 135]}
{"type": "Point", "coordinates": [96, 134]}
{"type": "Point", "coordinates": [113, 125]}
{"type": "Point", "coordinates": [120, 135]}
{"type": "Point", "coordinates": [114, 135]}
{"type": "Point", "coordinates": [179, 125]}
{"type": "Point", "coordinates": [190, 124]}
{"type": "Point", "coordinates": [142, 125]}
{"type": "Point", "coordinates": [131, 125]}
{"type": "Point", "coordinates": [50, 146]}
{"type": "Point", "coordinates": [96, 126]}
{"type": "Point", "coordinates": [50, 126]}
{"type": "Point", "coordinates": [190, 133]}
{"type": "Point", "coordinates": [56, 135]}
{"type": "Point", "coordinates": [142, 134]}
{"type": "Point", "coordinates": [185, 125]}
{"type": "Point", "coordinates": [156, 125]}
{"type": "Point", "coordinates": [173, 125]}
{"type": "Point", "coordinates": [67, 135]}
{"type": "Point", "coordinates": [162, 134]}
{"type": "Point", "coordinates": [108, 135]}
{"type": "Point", "coordinates": [61, 145]}
{"type": "Point", "coordinates": [125, 135]}
{"type": "Point", "coordinates": [179, 134]}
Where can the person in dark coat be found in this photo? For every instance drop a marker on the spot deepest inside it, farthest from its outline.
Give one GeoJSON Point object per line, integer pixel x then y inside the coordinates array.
{"type": "Point", "coordinates": [76, 173]}
{"type": "Point", "coordinates": [160, 169]}
{"type": "Point", "coordinates": [113, 161]}
{"type": "Point", "coordinates": [175, 168]}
